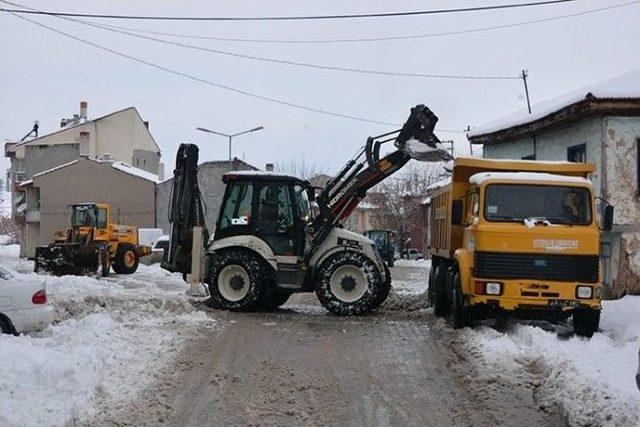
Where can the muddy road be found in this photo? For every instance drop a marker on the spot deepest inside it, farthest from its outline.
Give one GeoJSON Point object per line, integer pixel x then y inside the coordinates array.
{"type": "Point", "coordinates": [302, 366]}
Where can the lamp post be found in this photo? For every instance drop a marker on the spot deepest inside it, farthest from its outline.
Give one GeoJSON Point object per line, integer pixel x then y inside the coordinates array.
{"type": "Point", "coordinates": [230, 138]}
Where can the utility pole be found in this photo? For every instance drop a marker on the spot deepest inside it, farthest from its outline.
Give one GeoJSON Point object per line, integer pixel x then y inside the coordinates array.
{"type": "Point", "coordinates": [526, 88]}
{"type": "Point", "coordinates": [230, 138]}
{"type": "Point", "coordinates": [467, 130]}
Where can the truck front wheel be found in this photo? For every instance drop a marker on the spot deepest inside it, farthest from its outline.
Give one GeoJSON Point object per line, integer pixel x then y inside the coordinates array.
{"type": "Point", "coordinates": [461, 313]}
{"type": "Point", "coordinates": [586, 322]}
{"type": "Point", "coordinates": [349, 284]}
{"type": "Point", "coordinates": [237, 281]}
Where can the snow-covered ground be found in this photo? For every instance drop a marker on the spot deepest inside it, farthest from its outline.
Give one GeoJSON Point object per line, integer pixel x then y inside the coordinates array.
{"type": "Point", "coordinates": [111, 338]}
{"type": "Point", "coordinates": [592, 380]}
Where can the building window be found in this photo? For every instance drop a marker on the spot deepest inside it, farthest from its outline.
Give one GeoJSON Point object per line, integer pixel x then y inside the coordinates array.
{"type": "Point", "coordinates": [529, 157]}
{"type": "Point", "coordinates": [577, 153]}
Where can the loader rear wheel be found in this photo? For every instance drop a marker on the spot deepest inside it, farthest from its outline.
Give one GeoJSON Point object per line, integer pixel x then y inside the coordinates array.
{"type": "Point", "coordinates": [349, 284]}
{"type": "Point", "coordinates": [127, 259]}
{"type": "Point", "coordinates": [237, 281]}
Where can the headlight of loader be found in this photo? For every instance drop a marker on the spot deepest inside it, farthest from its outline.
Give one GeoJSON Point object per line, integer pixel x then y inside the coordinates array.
{"type": "Point", "coordinates": [584, 292]}
{"type": "Point", "coordinates": [493, 288]}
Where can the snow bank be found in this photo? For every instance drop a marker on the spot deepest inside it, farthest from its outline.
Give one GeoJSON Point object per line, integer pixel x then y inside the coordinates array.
{"type": "Point", "coordinates": [112, 338]}
{"type": "Point", "coordinates": [419, 263]}
{"type": "Point", "coordinates": [592, 380]}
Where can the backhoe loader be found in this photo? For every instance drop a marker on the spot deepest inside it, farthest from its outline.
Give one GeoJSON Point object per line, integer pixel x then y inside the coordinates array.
{"type": "Point", "coordinates": [269, 242]}
{"type": "Point", "coordinates": [92, 245]}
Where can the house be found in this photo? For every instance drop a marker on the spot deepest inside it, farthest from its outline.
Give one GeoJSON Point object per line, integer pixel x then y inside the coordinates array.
{"type": "Point", "coordinates": [599, 124]}
{"type": "Point", "coordinates": [211, 186]}
{"type": "Point", "coordinates": [121, 136]}
{"type": "Point", "coordinates": [129, 190]}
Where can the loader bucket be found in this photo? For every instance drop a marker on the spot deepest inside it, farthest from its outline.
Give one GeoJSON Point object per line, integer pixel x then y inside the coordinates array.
{"type": "Point", "coordinates": [417, 139]}
{"type": "Point", "coordinates": [62, 259]}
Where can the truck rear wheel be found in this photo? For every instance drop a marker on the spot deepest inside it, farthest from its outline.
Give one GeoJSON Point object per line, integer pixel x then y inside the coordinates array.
{"type": "Point", "coordinates": [586, 322]}
{"type": "Point", "coordinates": [237, 281]}
{"type": "Point", "coordinates": [127, 259]}
{"type": "Point", "coordinates": [349, 284]}
{"type": "Point", "coordinates": [441, 306]}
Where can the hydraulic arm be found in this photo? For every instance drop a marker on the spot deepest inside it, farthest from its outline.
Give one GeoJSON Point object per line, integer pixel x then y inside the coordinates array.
{"type": "Point", "coordinates": [343, 193]}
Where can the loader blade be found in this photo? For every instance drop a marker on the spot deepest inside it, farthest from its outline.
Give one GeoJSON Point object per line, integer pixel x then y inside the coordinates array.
{"type": "Point", "coordinates": [62, 259]}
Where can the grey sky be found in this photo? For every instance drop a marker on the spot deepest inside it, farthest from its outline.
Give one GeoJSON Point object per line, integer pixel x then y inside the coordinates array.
{"type": "Point", "coordinates": [45, 76]}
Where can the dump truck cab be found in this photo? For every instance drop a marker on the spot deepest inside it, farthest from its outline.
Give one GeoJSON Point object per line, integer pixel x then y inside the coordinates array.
{"type": "Point", "coordinates": [519, 238]}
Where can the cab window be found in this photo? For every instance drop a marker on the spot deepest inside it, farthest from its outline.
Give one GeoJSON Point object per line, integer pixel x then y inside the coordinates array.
{"type": "Point", "coordinates": [83, 216]}
{"type": "Point", "coordinates": [237, 206]}
{"type": "Point", "coordinates": [102, 218]}
{"type": "Point", "coordinates": [302, 202]}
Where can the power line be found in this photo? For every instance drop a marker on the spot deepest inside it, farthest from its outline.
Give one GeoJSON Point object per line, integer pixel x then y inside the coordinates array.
{"type": "Point", "coordinates": [290, 18]}
{"type": "Point", "coordinates": [209, 82]}
{"type": "Point", "coordinates": [294, 63]}
{"type": "Point", "coordinates": [375, 39]}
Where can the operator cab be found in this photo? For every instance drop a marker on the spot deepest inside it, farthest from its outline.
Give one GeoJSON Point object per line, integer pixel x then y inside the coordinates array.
{"type": "Point", "coordinates": [88, 215]}
{"type": "Point", "coordinates": [273, 207]}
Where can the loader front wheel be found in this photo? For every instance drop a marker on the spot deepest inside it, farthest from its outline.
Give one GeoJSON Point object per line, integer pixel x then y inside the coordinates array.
{"type": "Point", "coordinates": [237, 281]}
{"type": "Point", "coordinates": [127, 259]}
{"type": "Point", "coordinates": [349, 284]}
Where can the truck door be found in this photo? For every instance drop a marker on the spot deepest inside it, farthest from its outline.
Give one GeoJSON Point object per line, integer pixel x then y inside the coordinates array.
{"type": "Point", "coordinates": [276, 222]}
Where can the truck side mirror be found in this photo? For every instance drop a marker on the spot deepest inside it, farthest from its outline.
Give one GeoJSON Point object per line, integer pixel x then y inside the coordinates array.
{"type": "Point", "coordinates": [456, 212]}
{"type": "Point", "coordinates": [607, 221]}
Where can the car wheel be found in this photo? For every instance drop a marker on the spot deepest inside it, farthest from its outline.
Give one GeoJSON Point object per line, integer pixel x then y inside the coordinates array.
{"type": "Point", "coordinates": [5, 326]}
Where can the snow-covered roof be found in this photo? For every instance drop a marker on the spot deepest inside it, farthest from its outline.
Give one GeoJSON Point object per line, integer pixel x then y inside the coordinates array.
{"type": "Point", "coordinates": [479, 178]}
{"type": "Point", "coordinates": [262, 173]}
{"type": "Point", "coordinates": [123, 167]}
{"type": "Point", "coordinates": [624, 86]}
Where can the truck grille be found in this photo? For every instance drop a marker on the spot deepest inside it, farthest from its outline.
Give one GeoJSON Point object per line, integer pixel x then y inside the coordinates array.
{"type": "Point", "coordinates": [561, 268]}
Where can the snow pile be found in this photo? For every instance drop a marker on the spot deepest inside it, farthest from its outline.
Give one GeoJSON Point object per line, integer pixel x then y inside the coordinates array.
{"type": "Point", "coordinates": [592, 380]}
{"type": "Point", "coordinates": [113, 338]}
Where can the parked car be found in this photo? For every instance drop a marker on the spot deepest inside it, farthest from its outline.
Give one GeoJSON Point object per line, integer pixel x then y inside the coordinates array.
{"type": "Point", "coordinates": [412, 254]}
{"type": "Point", "coordinates": [23, 303]}
{"type": "Point", "coordinates": [159, 249]}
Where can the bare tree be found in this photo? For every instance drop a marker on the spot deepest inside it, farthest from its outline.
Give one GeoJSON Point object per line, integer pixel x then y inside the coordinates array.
{"type": "Point", "coordinates": [8, 228]}
{"type": "Point", "coordinates": [400, 199]}
{"type": "Point", "coordinates": [299, 168]}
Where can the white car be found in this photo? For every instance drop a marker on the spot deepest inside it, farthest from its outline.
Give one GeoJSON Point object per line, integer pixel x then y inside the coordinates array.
{"type": "Point", "coordinates": [413, 254]}
{"type": "Point", "coordinates": [23, 303]}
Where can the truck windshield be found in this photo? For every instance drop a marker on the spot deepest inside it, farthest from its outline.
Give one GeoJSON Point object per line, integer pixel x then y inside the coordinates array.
{"type": "Point", "coordinates": [553, 203]}
{"type": "Point", "coordinates": [83, 216]}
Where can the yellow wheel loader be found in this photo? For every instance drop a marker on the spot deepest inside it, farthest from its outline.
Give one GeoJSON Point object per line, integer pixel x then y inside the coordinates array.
{"type": "Point", "coordinates": [92, 245]}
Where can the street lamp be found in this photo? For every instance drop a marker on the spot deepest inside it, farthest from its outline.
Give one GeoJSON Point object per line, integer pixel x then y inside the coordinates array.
{"type": "Point", "coordinates": [230, 137]}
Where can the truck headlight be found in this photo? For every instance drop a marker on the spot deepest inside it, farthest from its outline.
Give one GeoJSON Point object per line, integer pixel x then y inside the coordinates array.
{"type": "Point", "coordinates": [493, 288]}
{"type": "Point", "coordinates": [584, 292]}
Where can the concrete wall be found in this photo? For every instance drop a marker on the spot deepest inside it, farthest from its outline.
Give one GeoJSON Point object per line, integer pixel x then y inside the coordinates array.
{"type": "Point", "coordinates": [39, 158]}
{"type": "Point", "coordinates": [132, 198]}
{"type": "Point", "coordinates": [553, 145]}
{"type": "Point", "coordinates": [121, 134]}
{"type": "Point", "coordinates": [211, 187]}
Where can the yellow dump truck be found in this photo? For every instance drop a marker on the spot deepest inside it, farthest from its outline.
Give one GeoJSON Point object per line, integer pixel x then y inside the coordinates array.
{"type": "Point", "coordinates": [92, 245]}
{"type": "Point", "coordinates": [516, 238]}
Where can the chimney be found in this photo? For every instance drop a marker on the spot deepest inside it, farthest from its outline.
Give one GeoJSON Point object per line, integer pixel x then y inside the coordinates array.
{"type": "Point", "coordinates": [83, 110]}
{"type": "Point", "coordinates": [269, 167]}
{"type": "Point", "coordinates": [63, 122]}
{"type": "Point", "coordinates": [76, 119]}
{"type": "Point", "coordinates": [146, 124]}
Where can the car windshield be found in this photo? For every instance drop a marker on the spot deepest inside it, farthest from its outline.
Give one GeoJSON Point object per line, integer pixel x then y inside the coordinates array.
{"type": "Point", "coordinates": [550, 204]}
{"type": "Point", "coordinates": [83, 216]}
{"type": "Point", "coordinates": [5, 274]}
